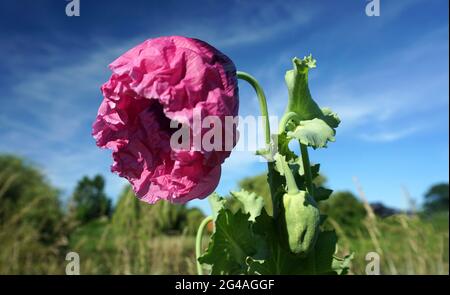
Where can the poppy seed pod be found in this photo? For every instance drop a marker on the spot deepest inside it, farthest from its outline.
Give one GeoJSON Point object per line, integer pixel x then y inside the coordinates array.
{"type": "Point", "coordinates": [300, 220]}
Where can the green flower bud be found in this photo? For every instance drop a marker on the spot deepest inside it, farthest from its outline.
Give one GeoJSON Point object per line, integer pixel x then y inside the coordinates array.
{"type": "Point", "coordinates": [300, 220]}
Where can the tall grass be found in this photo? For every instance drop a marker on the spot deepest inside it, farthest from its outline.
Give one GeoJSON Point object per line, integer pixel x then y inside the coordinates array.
{"type": "Point", "coordinates": [113, 254]}
{"type": "Point", "coordinates": [22, 248]}
{"type": "Point", "coordinates": [130, 244]}
{"type": "Point", "coordinates": [406, 244]}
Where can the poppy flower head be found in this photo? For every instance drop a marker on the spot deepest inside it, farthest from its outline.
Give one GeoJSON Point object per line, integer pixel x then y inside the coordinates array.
{"type": "Point", "coordinates": [164, 80]}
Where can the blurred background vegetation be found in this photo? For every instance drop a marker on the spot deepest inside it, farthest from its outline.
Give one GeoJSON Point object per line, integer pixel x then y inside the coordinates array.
{"type": "Point", "coordinates": [37, 230]}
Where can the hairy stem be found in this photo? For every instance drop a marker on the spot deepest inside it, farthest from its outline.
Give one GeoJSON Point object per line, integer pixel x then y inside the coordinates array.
{"type": "Point", "coordinates": [198, 242]}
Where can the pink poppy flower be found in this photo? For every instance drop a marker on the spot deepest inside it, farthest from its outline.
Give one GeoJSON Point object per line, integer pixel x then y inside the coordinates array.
{"type": "Point", "coordinates": [159, 80]}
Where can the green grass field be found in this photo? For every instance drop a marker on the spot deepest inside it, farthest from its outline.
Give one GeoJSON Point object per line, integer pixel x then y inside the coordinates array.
{"type": "Point", "coordinates": [138, 238]}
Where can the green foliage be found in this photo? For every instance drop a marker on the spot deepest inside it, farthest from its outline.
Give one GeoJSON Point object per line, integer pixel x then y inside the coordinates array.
{"type": "Point", "coordinates": [256, 234]}
{"type": "Point", "coordinates": [160, 218]}
{"type": "Point", "coordinates": [194, 217]}
{"type": "Point", "coordinates": [129, 243]}
{"type": "Point", "coordinates": [436, 198]}
{"type": "Point", "coordinates": [106, 250]}
{"type": "Point", "coordinates": [320, 261]}
{"type": "Point", "coordinates": [169, 217]}
{"type": "Point", "coordinates": [250, 203]}
{"type": "Point", "coordinates": [314, 133]}
{"type": "Point", "coordinates": [89, 200]}
{"type": "Point", "coordinates": [231, 244]}
{"type": "Point", "coordinates": [138, 238]}
{"type": "Point", "coordinates": [342, 207]}
{"type": "Point", "coordinates": [31, 226]}
{"type": "Point", "coordinates": [242, 246]}
{"type": "Point", "coordinates": [406, 245]}
{"type": "Point", "coordinates": [258, 184]}
{"type": "Point", "coordinates": [27, 197]}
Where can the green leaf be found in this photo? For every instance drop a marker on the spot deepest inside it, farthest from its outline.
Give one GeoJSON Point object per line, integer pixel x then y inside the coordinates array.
{"type": "Point", "coordinates": [314, 171]}
{"type": "Point", "coordinates": [267, 153]}
{"type": "Point", "coordinates": [250, 203]}
{"type": "Point", "coordinates": [282, 141]}
{"type": "Point", "coordinates": [331, 117]}
{"type": "Point", "coordinates": [217, 203]}
{"type": "Point", "coordinates": [342, 265]}
{"type": "Point", "coordinates": [323, 217]}
{"type": "Point", "coordinates": [315, 133]}
{"type": "Point", "coordinates": [231, 244]}
{"type": "Point", "coordinates": [280, 163]}
{"type": "Point", "coordinates": [276, 259]}
{"type": "Point", "coordinates": [321, 193]}
{"type": "Point", "coordinates": [320, 262]}
{"type": "Point", "coordinates": [276, 184]}
{"type": "Point", "coordinates": [324, 251]}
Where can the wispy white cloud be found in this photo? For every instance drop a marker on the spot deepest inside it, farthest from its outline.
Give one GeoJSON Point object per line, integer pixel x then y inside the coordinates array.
{"type": "Point", "coordinates": [245, 23]}
{"type": "Point", "coordinates": [388, 136]}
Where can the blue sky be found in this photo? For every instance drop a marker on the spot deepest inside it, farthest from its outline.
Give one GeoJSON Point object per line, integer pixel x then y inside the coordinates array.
{"type": "Point", "coordinates": [386, 76]}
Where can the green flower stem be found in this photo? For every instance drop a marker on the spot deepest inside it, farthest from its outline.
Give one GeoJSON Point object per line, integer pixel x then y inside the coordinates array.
{"type": "Point", "coordinates": [264, 112]}
{"type": "Point", "coordinates": [303, 149]}
{"type": "Point", "coordinates": [292, 188]}
{"type": "Point", "coordinates": [307, 168]}
{"type": "Point", "coordinates": [285, 120]}
{"type": "Point", "coordinates": [262, 101]}
{"type": "Point", "coordinates": [198, 242]}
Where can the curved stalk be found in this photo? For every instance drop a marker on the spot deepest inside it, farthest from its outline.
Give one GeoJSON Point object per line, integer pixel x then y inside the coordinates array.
{"type": "Point", "coordinates": [262, 101]}
{"type": "Point", "coordinates": [264, 112]}
{"type": "Point", "coordinates": [198, 242]}
{"type": "Point", "coordinates": [285, 120]}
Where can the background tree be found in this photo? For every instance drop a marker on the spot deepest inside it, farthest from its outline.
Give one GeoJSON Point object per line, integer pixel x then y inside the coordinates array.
{"type": "Point", "coordinates": [89, 200]}
{"type": "Point", "coordinates": [436, 198]}
{"type": "Point", "coordinates": [27, 197]}
{"type": "Point", "coordinates": [32, 229]}
{"type": "Point", "coordinates": [344, 209]}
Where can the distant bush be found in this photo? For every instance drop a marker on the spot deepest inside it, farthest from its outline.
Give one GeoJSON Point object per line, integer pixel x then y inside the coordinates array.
{"type": "Point", "coordinates": [436, 198]}
{"type": "Point", "coordinates": [31, 220]}
{"type": "Point", "coordinates": [344, 210]}
{"type": "Point", "coordinates": [89, 200]}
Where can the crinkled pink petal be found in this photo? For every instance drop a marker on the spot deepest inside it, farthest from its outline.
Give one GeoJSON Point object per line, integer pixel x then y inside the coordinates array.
{"type": "Point", "coordinates": [162, 79]}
